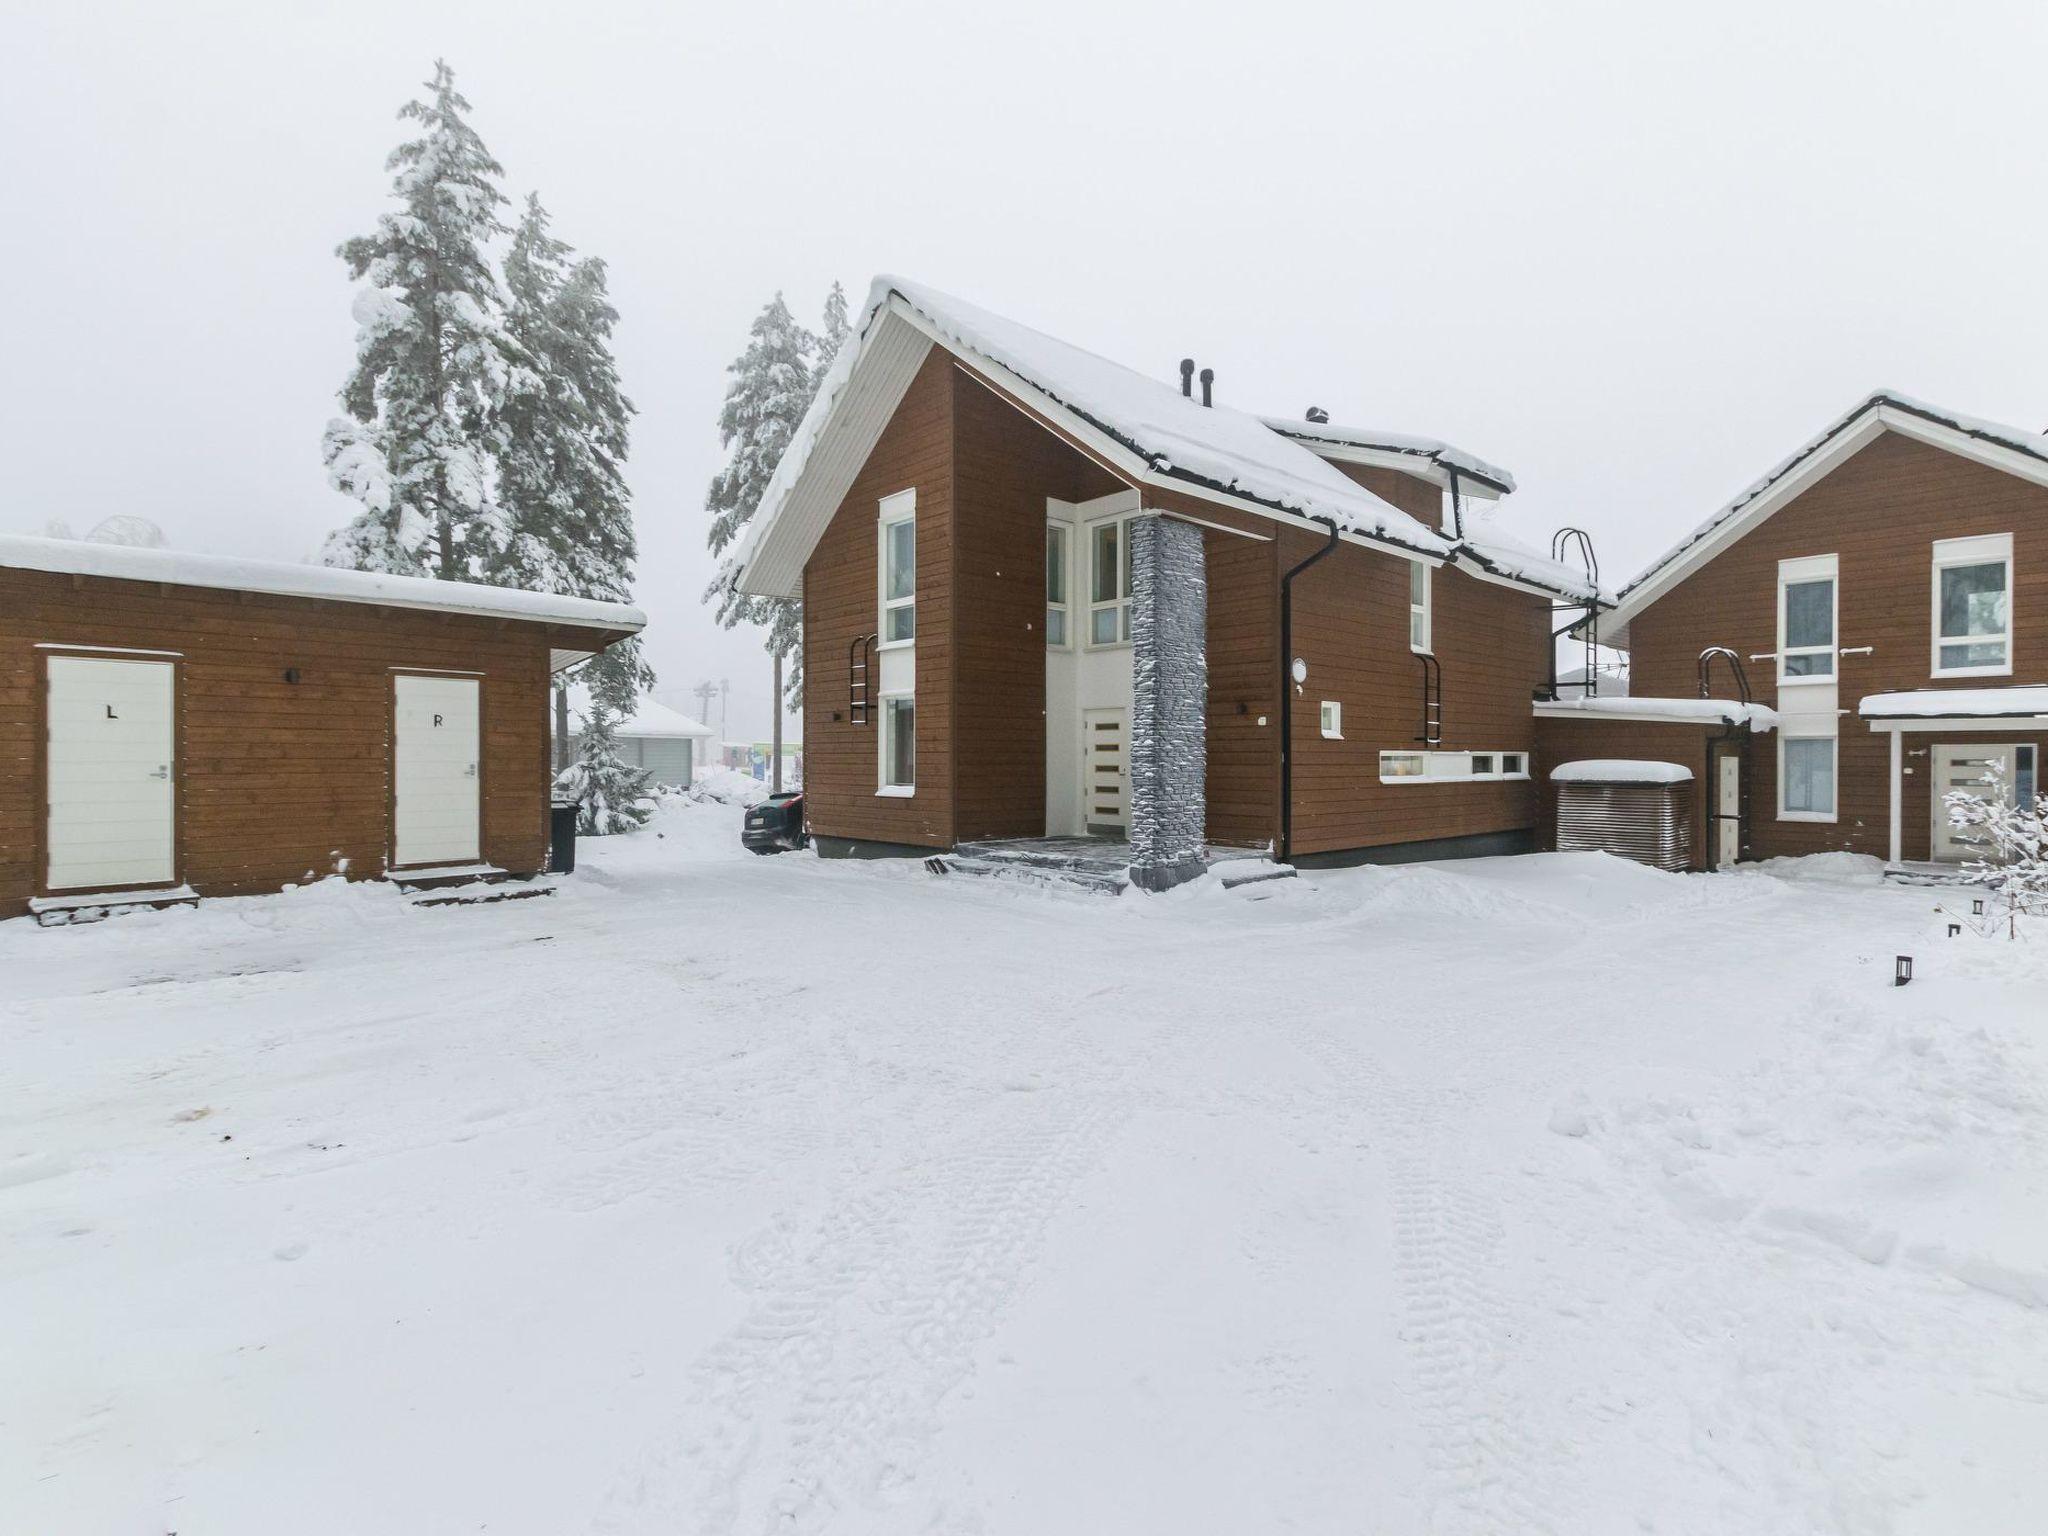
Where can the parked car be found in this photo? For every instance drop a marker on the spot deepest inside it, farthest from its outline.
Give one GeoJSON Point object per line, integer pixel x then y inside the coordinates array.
{"type": "Point", "coordinates": [776, 825]}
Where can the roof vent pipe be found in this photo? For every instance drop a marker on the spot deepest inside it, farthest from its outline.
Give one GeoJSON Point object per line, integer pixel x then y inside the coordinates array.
{"type": "Point", "coordinates": [1208, 378]}
{"type": "Point", "coordinates": [1187, 376]}
{"type": "Point", "coordinates": [1318, 415]}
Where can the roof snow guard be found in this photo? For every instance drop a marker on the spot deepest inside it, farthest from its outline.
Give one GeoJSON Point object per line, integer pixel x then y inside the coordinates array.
{"type": "Point", "coordinates": [2012, 449]}
{"type": "Point", "coordinates": [278, 578]}
{"type": "Point", "coordinates": [1142, 429]}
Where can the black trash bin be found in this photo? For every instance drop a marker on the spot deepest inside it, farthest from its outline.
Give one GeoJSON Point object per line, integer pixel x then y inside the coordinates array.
{"type": "Point", "coordinates": [562, 837]}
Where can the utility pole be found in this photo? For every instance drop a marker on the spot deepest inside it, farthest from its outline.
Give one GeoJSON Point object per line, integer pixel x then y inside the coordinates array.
{"type": "Point", "coordinates": [702, 694]}
{"type": "Point", "coordinates": [775, 738]}
{"type": "Point", "coordinates": [724, 693]}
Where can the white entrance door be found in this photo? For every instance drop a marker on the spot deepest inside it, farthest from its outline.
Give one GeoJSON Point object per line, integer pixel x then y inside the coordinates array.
{"type": "Point", "coordinates": [435, 772]}
{"type": "Point", "coordinates": [1105, 783]}
{"type": "Point", "coordinates": [1963, 768]}
{"type": "Point", "coordinates": [1728, 826]}
{"type": "Point", "coordinates": [112, 801]}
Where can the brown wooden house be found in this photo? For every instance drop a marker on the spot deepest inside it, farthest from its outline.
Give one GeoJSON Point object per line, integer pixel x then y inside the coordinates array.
{"type": "Point", "coordinates": [1046, 596]}
{"type": "Point", "coordinates": [1885, 590]}
{"type": "Point", "coordinates": [174, 725]}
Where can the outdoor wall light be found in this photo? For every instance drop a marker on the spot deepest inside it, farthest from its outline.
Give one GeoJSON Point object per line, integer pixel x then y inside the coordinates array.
{"type": "Point", "coordinates": [1902, 970]}
{"type": "Point", "coordinates": [1300, 670]}
{"type": "Point", "coordinates": [291, 675]}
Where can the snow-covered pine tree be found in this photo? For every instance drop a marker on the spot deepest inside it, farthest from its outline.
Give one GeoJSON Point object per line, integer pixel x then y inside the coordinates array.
{"type": "Point", "coordinates": [564, 428]}
{"type": "Point", "coordinates": [772, 383]}
{"type": "Point", "coordinates": [611, 794]}
{"type": "Point", "coordinates": [416, 447]}
{"type": "Point", "coordinates": [833, 337]}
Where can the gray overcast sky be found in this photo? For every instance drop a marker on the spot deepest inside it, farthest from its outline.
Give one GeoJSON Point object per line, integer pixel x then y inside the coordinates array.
{"type": "Point", "coordinates": [1634, 253]}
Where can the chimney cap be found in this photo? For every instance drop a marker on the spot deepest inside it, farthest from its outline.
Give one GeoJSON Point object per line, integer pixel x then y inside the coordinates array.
{"type": "Point", "coordinates": [1318, 415]}
{"type": "Point", "coordinates": [1208, 378]}
{"type": "Point", "coordinates": [1187, 376]}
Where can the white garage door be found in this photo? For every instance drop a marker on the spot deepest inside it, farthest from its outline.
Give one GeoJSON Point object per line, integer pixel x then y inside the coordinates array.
{"type": "Point", "coordinates": [112, 801]}
{"type": "Point", "coordinates": [435, 767]}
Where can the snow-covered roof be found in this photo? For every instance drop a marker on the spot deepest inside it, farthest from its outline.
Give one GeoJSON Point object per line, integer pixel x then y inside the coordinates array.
{"type": "Point", "coordinates": [1429, 450]}
{"type": "Point", "coordinates": [1486, 546]}
{"type": "Point", "coordinates": [650, 717]}
{"type": "Point", "coordinates": [1619, 770]}
{"type": "Point", "coordinates": [2013, 449]}
{"type": "Point", "coordinates": [1144, 428]}
{"type": "Point", "coordinates": [279, 578]}
{"type": "Point", "coordinates": [1957, 704]}
{"type": "Point", "coordinates": [1655, 711]}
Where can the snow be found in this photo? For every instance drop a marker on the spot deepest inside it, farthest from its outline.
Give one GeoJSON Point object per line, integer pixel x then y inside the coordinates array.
{"type": "Point", "coordinates": [1968, 703]}
{"type": "Point", "coordinates": [1619, 770]}
{"type": "Point", "coordinates": [179, 568]}
{"type": "Point", "coordinates": [1431, 448]}
{"type": "Point", "coordinates": [1758, 717]}
{"type": "Point", "coordinates": [725, 1193]}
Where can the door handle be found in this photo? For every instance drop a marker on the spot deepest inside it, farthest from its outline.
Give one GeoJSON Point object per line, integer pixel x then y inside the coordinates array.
{"type": "Point", "coordinates": [470, 771]}
{"type": "Point", "coordinates": [163, 771]}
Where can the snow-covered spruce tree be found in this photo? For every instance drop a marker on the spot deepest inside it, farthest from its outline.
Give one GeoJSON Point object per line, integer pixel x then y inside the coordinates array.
{"type": "Point", "coordinates": [611, 795]}
{"type": "Point", "coordinates": [771, 388]}
{"type": "Point", "coordinates": [2014, 840]}
{"type": "Point", "coordinates": [416, 447]}
{"type": "Point", "coordinates": [563, 432]}
{"type": "Point", "coordinates": [833, 337]}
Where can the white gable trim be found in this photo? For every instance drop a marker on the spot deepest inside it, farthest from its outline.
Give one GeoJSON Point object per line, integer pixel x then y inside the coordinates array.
{"type": "Point", "coordinates": [1851, 437]}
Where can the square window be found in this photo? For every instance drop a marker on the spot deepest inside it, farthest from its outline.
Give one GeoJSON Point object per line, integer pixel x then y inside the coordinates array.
{"type": "Point", "coordinates": [1333, 719]}
{"type": "Point", "coordinates": [1512, 763]}
{"type": "Point", "coordinates": [1973, 605]}
{"type": "Point", "coordinates": [1482, 765]}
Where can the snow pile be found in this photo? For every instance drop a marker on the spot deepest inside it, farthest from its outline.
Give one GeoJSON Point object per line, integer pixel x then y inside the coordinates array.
{"type": "Point", "coordinates": [1619, 770]}
{"type": "Point", "coordinates": [1758, 717]}
{"type": "Point", "coordinates": [1966, 703]}
{"type": "Point", "coordinates": [726, 786]}
{"type": "Point", "coordinates": [1434, 449]}
{"type": "Point", "coordinates": [1822, 868]}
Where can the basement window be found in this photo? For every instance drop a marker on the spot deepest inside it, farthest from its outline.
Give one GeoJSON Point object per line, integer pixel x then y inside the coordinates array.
{"type": "Point", "coordinates": [1333, 720]}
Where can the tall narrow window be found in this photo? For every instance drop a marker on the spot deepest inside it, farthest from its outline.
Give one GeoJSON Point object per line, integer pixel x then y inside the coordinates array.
{"type": "Point", "coordinates": [1056, 584]}
{"type": "Point", "coordinates": [1806, 619]}
{"type": "Point", "coordinates": [899, 744]}
{"type": "Point", "coordinates": [1806, 778]}
{"type": "Point", "coordinates": [1109, 582]}
{"type": "Point", "coordinates": [1973, 606]}
{"type": "Point", "coordinates": [1418, 606]}
{"type": "Point", "coordinates": [899, 568]}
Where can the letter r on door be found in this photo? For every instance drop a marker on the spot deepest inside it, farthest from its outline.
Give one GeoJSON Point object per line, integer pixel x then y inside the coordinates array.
{"type": "Point", "coordinates": [437, 720]}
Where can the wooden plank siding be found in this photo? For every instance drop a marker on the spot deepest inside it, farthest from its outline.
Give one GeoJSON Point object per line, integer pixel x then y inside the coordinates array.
{"type": "Point", "coordinates": [1005, 465]}
{"type": "Point", "coordinates": [1880, 512]}
{"type": "Point", "coordinates": [276, 782]}
{"type": "Point", "coordinates": [841, 601]}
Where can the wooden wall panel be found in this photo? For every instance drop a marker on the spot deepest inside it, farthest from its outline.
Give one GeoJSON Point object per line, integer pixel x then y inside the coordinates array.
{"type": "Point", "coordinates": [840, 602]}
{"type": "Point", "coordinates": [1880, 511]}
{"type": "Point", "coordinates": [277, 782]}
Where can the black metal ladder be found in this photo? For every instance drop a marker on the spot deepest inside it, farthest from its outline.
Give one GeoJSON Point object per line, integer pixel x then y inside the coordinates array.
{"type": "Point", "coordinates": [1432, 700]}
{"type": "Point", "coordinates": [860, 678]}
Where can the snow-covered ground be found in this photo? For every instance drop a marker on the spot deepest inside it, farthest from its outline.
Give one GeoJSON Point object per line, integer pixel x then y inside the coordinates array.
{"type": "Point", "coordinates": [719, 1193]}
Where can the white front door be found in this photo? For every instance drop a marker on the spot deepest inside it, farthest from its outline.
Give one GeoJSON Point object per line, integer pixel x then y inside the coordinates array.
{"type": "Point", "coordinates": [436, 769]}
{"type": "Point", "coordinates": [1105, 783]}
{"type": "Point", "coordinates": [113, 803]}
{"type": "Point", "coordinates": [1728, 825]}
{"type": "Point", "coordinates": [1962, 768]}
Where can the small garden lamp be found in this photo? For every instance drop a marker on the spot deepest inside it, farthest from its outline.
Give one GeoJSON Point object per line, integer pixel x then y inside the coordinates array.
{"type": "Point", "coordinates": [1902, 970]}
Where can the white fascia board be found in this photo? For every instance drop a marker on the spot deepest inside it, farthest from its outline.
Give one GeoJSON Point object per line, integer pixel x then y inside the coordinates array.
{"type": "Point", "coordinates": [1979, 724]}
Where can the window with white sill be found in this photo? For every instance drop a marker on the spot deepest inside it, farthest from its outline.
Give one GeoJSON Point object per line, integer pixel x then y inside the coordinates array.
{"type": "Point", "coordinates": [1418, 606]}
{"type": "Point", "coordinates": [1056, 537]}
{"type": "Point", "coordinates": [898, 536]}
{"type": "Point", "coordinates": [1109, 581]}
{"type": "Point", "coordinates": [1807, 609]}
{"type": "Point", "coordinates": [899, 744]}
{"type": "Point", "coordinates": [1973, 607]}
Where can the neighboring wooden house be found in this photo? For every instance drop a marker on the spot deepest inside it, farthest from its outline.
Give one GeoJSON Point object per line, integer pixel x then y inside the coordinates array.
{"type": "Point", "coordinates": [175, 725]}
{"type": "Point", "coordinates": [1045, 595]}
{"type": "Point", "coordinates": [1886, 590]}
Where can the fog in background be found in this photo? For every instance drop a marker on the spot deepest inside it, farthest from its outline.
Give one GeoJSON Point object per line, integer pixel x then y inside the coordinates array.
{"type": "Point", "coordinates": [1634, 253]}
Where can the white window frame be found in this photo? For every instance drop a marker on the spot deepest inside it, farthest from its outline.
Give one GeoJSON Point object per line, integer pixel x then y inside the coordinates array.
{"type": "Point", "coordinates": [1421, 614]}
{"type": "Point", "coordinates": [1065, 605]}
{"type": "Point", "coordinates": [1331, 719]}
{"type": "Point", "coordinates": [895, 509]}
{"type": "Point", "coordinates": [1990, 549]}
{"type": "Point", "coordinates": [885, 738]}
{"type": "Point", "coordinates": [1834, 775]}
{"type": "Point", "coordinates": [1793, 573]}
{"type": "Point", "coordinates": [1122, 603]}
{"type": "Point", "coordinates": [1455, 767]}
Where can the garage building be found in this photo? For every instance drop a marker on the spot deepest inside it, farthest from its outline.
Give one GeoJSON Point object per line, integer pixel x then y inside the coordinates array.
{"type": "Point", "coordinates": [175, 725]}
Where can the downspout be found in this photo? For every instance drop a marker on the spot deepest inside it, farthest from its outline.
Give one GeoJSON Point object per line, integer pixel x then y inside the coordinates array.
{"type": "Point", "coordinates": [1286, 848]}
{"type": "Point", "coordinates": [1457, 506]}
